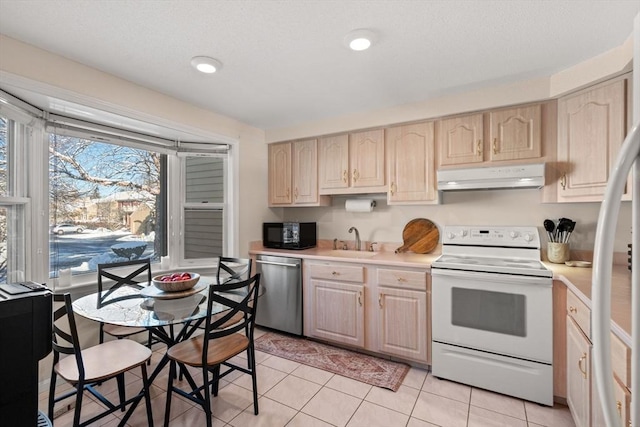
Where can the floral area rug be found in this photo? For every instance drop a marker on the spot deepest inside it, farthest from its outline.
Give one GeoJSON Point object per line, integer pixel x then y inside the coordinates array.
{"type": "Point", "coordinates": [361, 367]}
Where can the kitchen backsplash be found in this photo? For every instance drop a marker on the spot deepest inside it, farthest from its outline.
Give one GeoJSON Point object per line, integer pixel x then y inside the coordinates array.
{"type": "Point", "coordinates": [495, 207]}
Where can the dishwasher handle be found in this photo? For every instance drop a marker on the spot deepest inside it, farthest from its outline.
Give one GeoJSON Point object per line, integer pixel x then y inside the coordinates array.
{"type": "Point", "coordinates": [283, 264]}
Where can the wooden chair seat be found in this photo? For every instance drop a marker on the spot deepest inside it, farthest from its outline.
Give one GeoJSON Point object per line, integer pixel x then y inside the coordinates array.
{"type": "Point", "coordinates": [190, 352]}
{"type": "Point", "coordinates": [103, 361]}
{"type": "Point", "coordinates": [121, 331]}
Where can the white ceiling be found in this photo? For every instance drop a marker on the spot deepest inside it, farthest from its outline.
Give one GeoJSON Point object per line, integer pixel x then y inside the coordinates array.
{"type": "Point", "coordinates": [285, 62]}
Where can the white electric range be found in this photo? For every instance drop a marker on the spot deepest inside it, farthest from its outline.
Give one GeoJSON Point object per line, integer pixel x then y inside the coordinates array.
{"type": "Point", "coordinates": [492, 311]}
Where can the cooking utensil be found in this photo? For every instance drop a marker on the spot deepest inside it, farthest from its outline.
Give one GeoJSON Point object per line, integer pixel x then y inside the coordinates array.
{"type": "Point", "coordinates": [570, 227]}
{"type": "Point", "coordinates": [549, 226]}
{"type": "Point", "coordinates": [561, 231]}
{"type": "Point", "coordinates": [420, 236]}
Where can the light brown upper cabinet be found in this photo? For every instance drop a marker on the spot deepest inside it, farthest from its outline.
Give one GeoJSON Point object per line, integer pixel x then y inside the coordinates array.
{"type": "Point", "coordinates": [460, 140]}
{"type": "Point", "coordinates": [411, 164]}
{"type": "Point", "coordinates": [514, 133]}
{"type": "Point", "coordinates": [591, 129]}
{"type": "Point", "coordinates": [507, 134]}
{"type": "Point", "coordinates": [293, 174]}
{"type": "Point", "coordinates": [280, 174]}
{"type": "Point", "coordinates": [351, 164]}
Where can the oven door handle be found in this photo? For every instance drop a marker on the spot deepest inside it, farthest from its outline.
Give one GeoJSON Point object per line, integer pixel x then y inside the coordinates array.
{"type": "Point", "coordinates": [493, 277]}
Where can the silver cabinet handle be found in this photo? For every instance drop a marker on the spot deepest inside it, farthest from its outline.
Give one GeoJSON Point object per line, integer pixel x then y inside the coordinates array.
{"type": "Point", "coordinates": [283, 264]}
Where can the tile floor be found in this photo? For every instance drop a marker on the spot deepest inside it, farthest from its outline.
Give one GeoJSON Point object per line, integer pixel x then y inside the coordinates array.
{"type": "Point", "coordinates": [295, 395]}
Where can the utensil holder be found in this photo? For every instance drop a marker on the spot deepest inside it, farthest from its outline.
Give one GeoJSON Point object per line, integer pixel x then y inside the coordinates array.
{"type": "Point", "coordinates": [558, 253]}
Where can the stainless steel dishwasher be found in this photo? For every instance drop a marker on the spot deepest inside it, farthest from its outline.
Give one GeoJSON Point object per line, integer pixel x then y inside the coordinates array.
{"type": "Point", "coordinates": [280, 307]}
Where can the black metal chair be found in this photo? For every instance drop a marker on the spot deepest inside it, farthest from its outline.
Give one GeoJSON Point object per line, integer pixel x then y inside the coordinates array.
{"type": "Point", "coordinates": [86, 368]}
{"type": "Point", "coordinates": [233, 269]}
{"type": "Point", "coordinates": [138, 275]}
{"type": "Point", "coordinates": [213, 349]}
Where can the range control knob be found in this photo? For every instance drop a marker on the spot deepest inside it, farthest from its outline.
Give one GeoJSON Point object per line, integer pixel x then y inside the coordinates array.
{"type": "Point", "coordinates": [451, 235]}
{"type": "Point", "coordinates": [528, 237]}
{"type": "Point", "coordinates": [514, 234]}
{"type": "Point", "coordinates": [463, 233]}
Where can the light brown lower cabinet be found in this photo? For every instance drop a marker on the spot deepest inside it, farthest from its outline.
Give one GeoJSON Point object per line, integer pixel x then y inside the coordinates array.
{"type": "Point", "coordinates": [375, 308]}
{"type": "Point", "coordinates": [334, 302]}
{"type": "Point", "coordinates": [582, 396]}
{"type": "Point", "coordinates": [338, 312]}
{"type": "Point", "coordinates": [578, 374]}
{"type": "Point", "coordinates": [623, 400]}
{"type": "Point", "coordinates": [402, 323]}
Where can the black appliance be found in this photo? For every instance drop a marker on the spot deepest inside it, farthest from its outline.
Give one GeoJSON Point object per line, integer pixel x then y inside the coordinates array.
{"type": "Point", "coordinates": [289, 235]}
{"type": "Point", "coordinates": [25, 338]}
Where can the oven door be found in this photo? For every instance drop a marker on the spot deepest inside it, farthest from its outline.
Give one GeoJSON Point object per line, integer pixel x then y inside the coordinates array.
{"type": "Point", "coordinates": [505, 314]}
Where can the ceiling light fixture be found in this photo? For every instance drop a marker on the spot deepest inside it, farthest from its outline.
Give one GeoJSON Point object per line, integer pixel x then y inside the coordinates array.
{"type": "Point", "coordinates": [359, 39]}
{"type": "Point", "coordinates": [205, 64]}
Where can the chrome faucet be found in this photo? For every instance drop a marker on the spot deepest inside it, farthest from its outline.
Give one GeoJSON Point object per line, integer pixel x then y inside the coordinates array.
{"type": "Point", "coordinates": [351, 230]}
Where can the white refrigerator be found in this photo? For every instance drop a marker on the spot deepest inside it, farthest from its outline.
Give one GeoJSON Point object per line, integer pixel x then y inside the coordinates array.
{"type": "Point", "coordinates": [628, 162]}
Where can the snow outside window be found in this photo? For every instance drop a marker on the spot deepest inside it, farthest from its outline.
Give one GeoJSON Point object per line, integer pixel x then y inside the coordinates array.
{"type": "Point", "coordinates": [106, 204]}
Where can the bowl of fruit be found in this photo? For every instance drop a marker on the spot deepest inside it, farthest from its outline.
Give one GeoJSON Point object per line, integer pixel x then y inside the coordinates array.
{"type": "Point", "coordinates": [175, 282]}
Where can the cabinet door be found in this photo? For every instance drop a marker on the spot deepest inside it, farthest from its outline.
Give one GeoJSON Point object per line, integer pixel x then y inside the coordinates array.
{"type": "Point", "coordinates": [578, 374]}
{"type": "Point", "coordinates": [591, 129]}
{"type": "Point", "coordinates": [305, 172]}
{"type": "Point", "coordinates": [366, 158]}
{"type": "Point", "coordinates": [402, 323]}
{"type": "Point", "coordinates": [514, 133]}
{"type": "Point", "coordinates": [333, 162]}
{"type": "Point", "coordinates": [410, 151]}
{"type": "Point", "coordinates": [338, 312]}
{"type": "Point", "coordinates": [460, 140]}
{"type": "Point", "coordinates": [280, 174]}
{"type": "Point", "coordinates": [622, 398]}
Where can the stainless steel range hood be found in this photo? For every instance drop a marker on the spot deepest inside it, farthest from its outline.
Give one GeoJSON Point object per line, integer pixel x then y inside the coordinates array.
{"type": "Point", "coordinates": [519, 176]}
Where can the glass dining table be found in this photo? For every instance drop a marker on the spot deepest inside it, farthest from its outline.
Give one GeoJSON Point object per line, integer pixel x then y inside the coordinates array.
{"type": "Point", "coordinates": [157, 311]}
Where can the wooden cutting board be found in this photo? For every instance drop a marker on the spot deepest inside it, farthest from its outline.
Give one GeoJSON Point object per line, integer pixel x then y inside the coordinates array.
{"type": "Point", "coordinates": [420, 236]}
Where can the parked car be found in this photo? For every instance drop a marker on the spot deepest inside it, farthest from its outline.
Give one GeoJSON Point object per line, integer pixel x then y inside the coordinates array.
{"type": "Point", "coordinates": [67, 228]}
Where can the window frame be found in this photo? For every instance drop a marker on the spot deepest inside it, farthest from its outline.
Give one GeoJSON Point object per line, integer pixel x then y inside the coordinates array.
{"type": "Point", "coordinates": [37, 160]}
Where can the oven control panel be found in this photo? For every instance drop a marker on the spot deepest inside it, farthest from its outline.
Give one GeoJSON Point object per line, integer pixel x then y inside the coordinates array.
{"type": "Point", "coordinates": [509, 236]}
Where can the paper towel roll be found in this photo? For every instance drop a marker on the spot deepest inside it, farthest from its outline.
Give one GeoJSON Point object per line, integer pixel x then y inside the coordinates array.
{"type": "Point", "coordinates": [359, 205]}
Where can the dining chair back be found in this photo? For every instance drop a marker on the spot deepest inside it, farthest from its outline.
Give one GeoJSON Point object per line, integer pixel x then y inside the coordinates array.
{"type": "Point", "coordinates": [213, 350]}
{"type": "Point", "coordinates": [136, 274]}
{"type": "Point", "coordinates": [112, 276]}
{"type": "Point", "coordinates": [84, 369]}
{"type": "Point", "coordinates": [233, 269]}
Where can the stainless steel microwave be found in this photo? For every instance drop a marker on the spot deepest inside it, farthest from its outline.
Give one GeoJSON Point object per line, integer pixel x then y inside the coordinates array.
{"type": "Point", "coordinates": [289, 235]}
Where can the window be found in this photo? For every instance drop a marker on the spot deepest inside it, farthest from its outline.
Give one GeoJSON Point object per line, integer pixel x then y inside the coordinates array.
{"type": "Point", "coordinates": [85, 193]}
{"type": "Point", "coordinates": [105, 203]}
{"type": "Point", "coordinates": [204, 206]}
{"type": "Point", "coordinates": [13, 241]}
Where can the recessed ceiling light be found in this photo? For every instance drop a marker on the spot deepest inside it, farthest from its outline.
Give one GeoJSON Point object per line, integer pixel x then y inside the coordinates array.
{"type": "Point", "coordinates": [206, 64]}
{"type": "Point", "coordinates": [359, 39]}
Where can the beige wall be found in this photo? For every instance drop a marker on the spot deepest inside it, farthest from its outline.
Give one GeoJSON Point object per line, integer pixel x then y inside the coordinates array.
{"type": "Point", "coordinates": [40, 70]}
{"type": "Point", "coordinates": [495, 207]}
{"type": "Point", "coordinates": [504, 207]}
{"type": "Point", "coordinates": [611, 63]}
{"type": "Point", "coordinates": [385, 223]}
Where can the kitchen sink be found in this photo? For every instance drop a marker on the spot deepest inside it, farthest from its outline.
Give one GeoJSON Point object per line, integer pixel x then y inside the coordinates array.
{"type": "Point", "coordinates": [349, 254]}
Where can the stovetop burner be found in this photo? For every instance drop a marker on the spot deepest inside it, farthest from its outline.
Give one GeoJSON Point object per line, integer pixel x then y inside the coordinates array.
{"type": "Point", "coordinates": [508, 250]}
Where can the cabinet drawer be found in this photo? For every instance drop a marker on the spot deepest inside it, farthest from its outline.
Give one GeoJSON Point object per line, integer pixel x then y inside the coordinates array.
{"type": "Point", "coordinates": [621, 360]}
{"type": "Point", "coordinates": [343, 273]}
{"type": "Point", "coordinates": [577, 310]}
{"type": "Point", "coordinates": [402, 279]}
